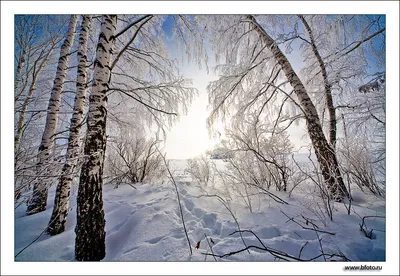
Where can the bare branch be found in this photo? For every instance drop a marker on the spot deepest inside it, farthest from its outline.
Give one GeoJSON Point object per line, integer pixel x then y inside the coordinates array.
{"type": "Point", "coordinates": [131, 25]}
{"type": "Point", "coordinates": [179, 200]}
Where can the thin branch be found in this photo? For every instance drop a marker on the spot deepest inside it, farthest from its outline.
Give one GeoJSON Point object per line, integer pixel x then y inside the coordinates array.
{"type": "Point", "coordinates": [230, 211]}
{"type": "Point", "coordinates": [302, 247]}
{"type": "Point", "coordinates": [277, 254]}
{"type": "Point", "coordinates": [145, 104]}
{"type": "Point", "coordinates": [307, 228]}
{"type": "Point", "coordinates": [129, 42]}
{"type": "Point", "coordinates": [179, 200]}
{"type": "Point", "coordinates": [210, 247]}
{"type": "Point", "coordinates": [130, 26]}
{"type": "Point", "coordinates": [364, 40]}
{"type": "Point", "coordinates": [319, 241]}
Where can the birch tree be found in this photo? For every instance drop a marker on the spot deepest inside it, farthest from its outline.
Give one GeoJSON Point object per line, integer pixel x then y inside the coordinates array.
{"type": "Point", "coordinates": [256, 74]}
{"type": "Point", "coordinates": [22, 38]}
{"type": "Point", "coordinates": [154, 93]}
{"type": "Point", "coordinates": [90, 232]}
{"type": "Point", "coordinates": [324, 152]}
{"type": "Point", "coordinates": [156, 90]}
{"type": "Point", "coordinates": [341, 46]}
{"type": "Point", "coordinates": [40, 189]}
{"type": "Point", "coordinates": [61, 201]}
{"type": "Point", "coordinates": [327, 85]}
{"type": "Point", "coordinates": [351, 50]}
{"type": "Point", "coordinates": [38, 65]}
{"type": "Point", "coordinates": [35, 44]}
{"type": "Point", "coordinates": [38, 39]}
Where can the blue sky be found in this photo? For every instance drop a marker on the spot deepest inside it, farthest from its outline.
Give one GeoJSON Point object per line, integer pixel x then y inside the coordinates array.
{"type": "Point", "coordinates": [168, 25]}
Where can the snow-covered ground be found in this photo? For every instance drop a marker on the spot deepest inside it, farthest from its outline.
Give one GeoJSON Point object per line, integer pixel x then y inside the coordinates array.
{"type": "Point", "coordinates": [144, 224]}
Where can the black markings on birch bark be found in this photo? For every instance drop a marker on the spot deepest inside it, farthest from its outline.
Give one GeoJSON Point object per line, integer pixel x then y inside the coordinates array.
{"type": "Point", "coordinates": [39, 197]}
{"type": "Point", "coordinates": [37, 68]}
{"type": "Point", "coordinates": [324, 152]}
{"type": "Point", "coordinates": [327, 86]}
{"type": "Point", "coordinates": [61, 202]}
{"type": "Point", "coordinates": [90, 227]}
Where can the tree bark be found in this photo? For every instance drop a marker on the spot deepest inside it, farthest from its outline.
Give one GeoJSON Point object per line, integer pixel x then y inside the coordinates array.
{"type": "Point", "coordinates": [32, 88]}
{"type": "Point", "coordinates": [90, 227]}
{"type": "Point", "coordinates": [18, 73]}
{"type": "Point", "coordinates": [324, 152]}
{"type": "Point", "coordinates": [327, 86]}
{"type": "Point", "coordinates": [40, 189]}
{"type": "Point", "coordinates": [61, 202]}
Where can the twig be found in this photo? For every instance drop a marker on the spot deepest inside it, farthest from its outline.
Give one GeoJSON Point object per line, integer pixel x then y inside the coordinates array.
{"type": "Point", "coordinates": [132, 186]}
{"type": "Point", "coordinates": [301, 249]}
{"type": "Point", "coordinates": [309, 221]}
{"type": "Point", "coordinates": [277, 253]}
{"type": "Point", "coordinates": [362, 41]}
{"type": "Point", "coordinates": [249, 231]}
{"type": "Point", "coordinates": [365, 231]}
{"type": "Point", "coordinates": [44, 231]}
{"type": "Point", "coordinates": [307, 228]}
{"type": "Point", "coordinates": [210, 247]}
{"type": "Point", "coordinates": [274, 252]}
{"type": "Point", "coordinates": [271, 195]}
{"type": "Point", "coordinates": [320, 243]}
{"type": "Point", "coordinates": [297, 234]}
{"type": "Point", "coordinates": [23, 249]}
{"type": "Point", "coordinates": [233, 216]}
{"type": "Point", "coordinates": [131, 25]}
{"type": "Point", "coordinates": [179, 200]}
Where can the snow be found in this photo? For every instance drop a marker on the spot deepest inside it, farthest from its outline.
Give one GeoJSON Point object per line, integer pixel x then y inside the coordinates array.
{"type": "Point", "coordinates": [144, 224]}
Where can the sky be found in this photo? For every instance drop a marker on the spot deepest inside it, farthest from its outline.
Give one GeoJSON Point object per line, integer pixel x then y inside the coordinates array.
{"type": "Point", "coordinates": [190, 137]}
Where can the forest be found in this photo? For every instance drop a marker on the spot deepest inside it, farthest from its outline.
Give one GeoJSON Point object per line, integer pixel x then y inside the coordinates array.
{"type": "Point", "coordinates": [296, 112]}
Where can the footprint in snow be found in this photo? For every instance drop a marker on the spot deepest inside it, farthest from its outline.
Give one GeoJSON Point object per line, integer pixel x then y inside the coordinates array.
{"type": "Point", "coordinates": [155, 240]}
{"type": "Point", "coordinates": [268, 233]}
{"type": "Point", "coordinates": [189, 204]}
{"type": "Point", "coordinates": [183, 191]}
{"type": "Point", "coordinates": [177, 233]}
{"type": "Point", "coordinates": [198, 212]}
{"type": "Point", "coordinates": [130, 249]}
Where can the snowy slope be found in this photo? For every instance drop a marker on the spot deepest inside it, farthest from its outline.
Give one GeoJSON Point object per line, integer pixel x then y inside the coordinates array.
{"type": "Point", "coordinates": [144, 224]}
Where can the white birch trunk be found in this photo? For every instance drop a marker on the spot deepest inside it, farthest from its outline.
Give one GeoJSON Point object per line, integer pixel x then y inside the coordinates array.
{"type": "Point", "coordinates": [325, 154]}
{"type": "Point", "coordinates": [40, 188]}
{"type": "Point", "coordinates": [31, 91]}
{"type": "Point", "coordinates": [90, 227]}
{"type": "Point", "coordinates": [18, 73]}
{"type": "Point", "coordinates": [327, 86]}
{"type": "Point", "coordinates": [61, 202]}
